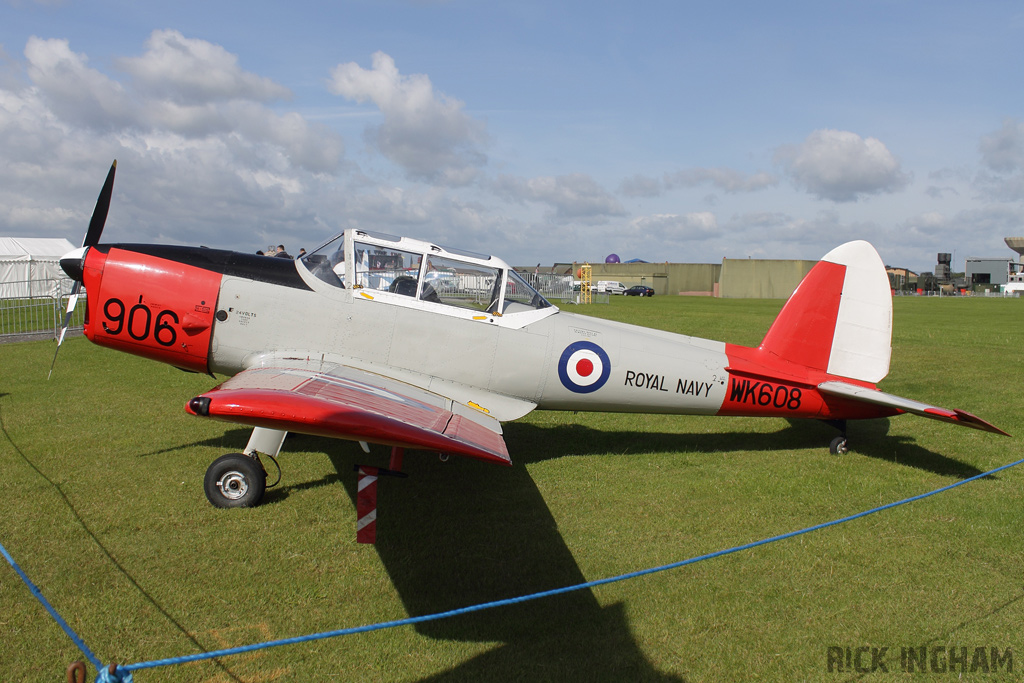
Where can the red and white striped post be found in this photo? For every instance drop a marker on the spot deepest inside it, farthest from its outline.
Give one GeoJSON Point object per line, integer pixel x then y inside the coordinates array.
{"type": "Point", "coordinates": [366, 505]}
{"type": "Point", "coordinates": [366, 494]}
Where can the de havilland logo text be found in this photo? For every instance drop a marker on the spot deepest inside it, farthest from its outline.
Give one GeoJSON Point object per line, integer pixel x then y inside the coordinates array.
{"type": "Point", "coordinates": [938, 659]}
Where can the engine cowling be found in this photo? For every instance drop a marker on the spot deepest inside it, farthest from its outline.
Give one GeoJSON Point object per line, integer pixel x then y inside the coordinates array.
{"type": "Point", "coordinates": [150, 306]}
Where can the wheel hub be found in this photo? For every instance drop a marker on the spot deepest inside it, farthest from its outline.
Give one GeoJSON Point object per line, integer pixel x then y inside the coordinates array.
{"type": "Point", "coordinates": [233, 485]}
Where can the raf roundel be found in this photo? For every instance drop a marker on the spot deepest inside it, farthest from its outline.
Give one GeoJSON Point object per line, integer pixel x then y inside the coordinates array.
{"type": "Point", "coordinates": [584, 367]}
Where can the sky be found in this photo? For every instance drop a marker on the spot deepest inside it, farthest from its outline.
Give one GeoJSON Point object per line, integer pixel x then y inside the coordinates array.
{"type": "Point", "coordinates": [539, 131]}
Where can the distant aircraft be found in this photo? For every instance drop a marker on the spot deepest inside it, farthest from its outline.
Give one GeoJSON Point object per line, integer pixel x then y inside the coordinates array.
{"type": "Point", "coordinates": [401, 342]}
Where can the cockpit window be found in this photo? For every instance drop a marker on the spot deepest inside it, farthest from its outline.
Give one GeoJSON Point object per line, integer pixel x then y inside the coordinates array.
{"type": "Point", "coordinates": [520, 296]}
{"type": "Point", "coordinates": [457, 283]}
{"type": "Point", "coordinates": [427, 277]}
{"type": "Point", "coordinates": [380, 267]}
{"type": "Point", "coordinates": [328, 262]}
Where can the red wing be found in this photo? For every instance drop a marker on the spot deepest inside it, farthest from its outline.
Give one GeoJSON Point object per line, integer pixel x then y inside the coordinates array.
{"type": "Point", "coordinates": [880, 398]}
{"type": "Point", "coordinates": [346, 403]}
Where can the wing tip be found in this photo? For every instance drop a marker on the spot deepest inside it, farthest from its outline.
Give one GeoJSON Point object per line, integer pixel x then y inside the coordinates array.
{"type": "Point", "coordinates": [906, 405]}
{"type": "Point", "coordinates": [978, 423]}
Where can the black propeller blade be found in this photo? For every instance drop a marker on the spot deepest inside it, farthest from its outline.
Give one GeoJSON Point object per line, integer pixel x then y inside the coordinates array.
{"type": "Point", "coordinates": [92, 238]}
{"type": "Point", "coordinates": [99, 214]}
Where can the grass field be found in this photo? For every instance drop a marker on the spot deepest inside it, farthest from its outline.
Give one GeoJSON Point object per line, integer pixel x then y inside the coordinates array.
{"type": "Point", "coordinates": [101, 503]}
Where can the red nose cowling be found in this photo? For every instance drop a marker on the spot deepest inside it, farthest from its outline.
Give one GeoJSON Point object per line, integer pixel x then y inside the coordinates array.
{"type": "Point", "coordinates": [149, 306]}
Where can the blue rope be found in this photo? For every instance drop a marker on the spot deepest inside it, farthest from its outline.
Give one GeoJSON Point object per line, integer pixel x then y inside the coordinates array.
{"type": "Point", "coordinates": [123, 673]}
{"type": "Point", "coordinates": [543, 594]}
{"type": "Point", "coordinates": [49, 608]}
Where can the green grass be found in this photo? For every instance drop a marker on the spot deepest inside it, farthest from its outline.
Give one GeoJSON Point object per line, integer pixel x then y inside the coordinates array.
{"type": "Point", "coordinates": [101, 503]}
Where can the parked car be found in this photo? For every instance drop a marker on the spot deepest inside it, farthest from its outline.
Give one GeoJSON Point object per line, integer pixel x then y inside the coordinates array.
{"type": "Point", "coordinates": [639, 290]}
{"type": "Point", "coordinates": [610, 286]}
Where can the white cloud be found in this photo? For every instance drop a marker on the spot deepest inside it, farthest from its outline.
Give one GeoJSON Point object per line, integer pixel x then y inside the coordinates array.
{"type": "Point", "coordinates": [192, 71]}
{"type": "Point", "coordinates": [1002, 158]}
{"type": "Point", "coordinates": [1003, 150]}
{"type": "Point", "coordinates": [975, 227]}
{"type": "Point", "coordinates": [77, 94]}
{"type": "Point", "coordinates": [208, 153]}
{"type": "Point", "coordinates": [576, 196]}
{"type": "Point", "coordinates": [842, 166]}
{"type": "Point", "coordinates": [774, 234]}
{"type": "Point", "coordinates": [941, 192]}
{"type": "Point", "coordinates": [675, 228]}
{"type": "Point", "coordinates": [425, 132]}
{"type": "Point", "coordinates": [726, 179]}
{"type": "Point", "coordinates": [190, 87]}
{"type": "Point", "coordinates": [640, 185]}
{"type": "Point", "coordinates": [433, 215]}
{"type": "Point", "coordinates": [200, 153]}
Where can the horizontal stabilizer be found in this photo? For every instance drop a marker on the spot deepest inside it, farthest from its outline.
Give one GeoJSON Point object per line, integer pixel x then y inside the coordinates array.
{"type": "Point", "coordinates": [880, 398]}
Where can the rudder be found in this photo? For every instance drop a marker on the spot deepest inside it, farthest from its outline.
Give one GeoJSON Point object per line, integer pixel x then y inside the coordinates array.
{"type": "Point", "coordinates": [839, 319]}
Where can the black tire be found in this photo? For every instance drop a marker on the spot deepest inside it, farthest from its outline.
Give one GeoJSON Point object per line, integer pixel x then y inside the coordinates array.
{"type": "Point", "coordinates": [838, 446]}
{"type": "Point", "coordinates": [235, 481]}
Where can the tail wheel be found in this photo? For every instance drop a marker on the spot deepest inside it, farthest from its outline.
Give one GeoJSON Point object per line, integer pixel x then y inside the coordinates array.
{"type": "Point", "coordinates": [838, 446]}
{"type": "Point", "coordinates": [235, 481]}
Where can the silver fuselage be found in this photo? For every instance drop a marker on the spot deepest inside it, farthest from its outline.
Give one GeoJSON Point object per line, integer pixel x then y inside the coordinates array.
{"type": "Point", "coordinates": [502, 364]}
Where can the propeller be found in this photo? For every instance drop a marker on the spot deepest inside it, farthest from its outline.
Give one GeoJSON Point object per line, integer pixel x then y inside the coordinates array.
{"type": "Point", "coordinates": [76, 259]}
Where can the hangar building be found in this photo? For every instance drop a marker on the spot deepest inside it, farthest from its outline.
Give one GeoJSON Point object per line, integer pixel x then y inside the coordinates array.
{"type": "Point", "coordinates": [987, 271]}
{"type": "Point", "coordinates": [732, 279]}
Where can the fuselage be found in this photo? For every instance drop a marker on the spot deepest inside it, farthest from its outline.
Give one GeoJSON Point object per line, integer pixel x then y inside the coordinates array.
{"type": "Point", "coordinates": [223, 312]}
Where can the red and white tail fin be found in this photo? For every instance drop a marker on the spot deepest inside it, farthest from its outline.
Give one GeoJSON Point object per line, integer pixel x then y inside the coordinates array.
{"type": "Point", "coordinates": [839, 319]}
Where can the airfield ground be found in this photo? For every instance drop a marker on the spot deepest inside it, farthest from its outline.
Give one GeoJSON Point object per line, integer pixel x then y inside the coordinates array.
{"type": "Point", "coordinates": [101, 502]}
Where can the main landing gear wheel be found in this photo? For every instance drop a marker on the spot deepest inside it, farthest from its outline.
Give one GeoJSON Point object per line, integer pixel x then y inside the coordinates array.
{"type": "Point", "coordinates": [838, 446]}
{"type": "Point", "coordinates": [235, 481]}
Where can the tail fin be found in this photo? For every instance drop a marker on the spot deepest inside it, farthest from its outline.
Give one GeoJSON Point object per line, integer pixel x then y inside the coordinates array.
{"type": "Point", "coordinates": [839, 319]}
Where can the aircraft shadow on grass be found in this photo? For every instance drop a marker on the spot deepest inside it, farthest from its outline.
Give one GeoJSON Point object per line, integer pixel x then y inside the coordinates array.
{"type": "Point", "coordinates": [451, 537]}
{"type": "Point", "coordinates": [533, 443]}
{"type": "Point", "coordinates": [871, 438]}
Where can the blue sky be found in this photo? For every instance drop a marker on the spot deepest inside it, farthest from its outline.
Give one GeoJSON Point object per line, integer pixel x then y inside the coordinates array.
{"type": "Point", "coordinates": [537, 131]}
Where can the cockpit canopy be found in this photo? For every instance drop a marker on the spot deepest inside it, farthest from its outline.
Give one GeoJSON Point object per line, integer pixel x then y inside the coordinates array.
{"type": "Point", "coordinates": [424, 271]}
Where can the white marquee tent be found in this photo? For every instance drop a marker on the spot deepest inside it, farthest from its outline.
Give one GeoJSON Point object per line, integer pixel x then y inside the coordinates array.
{"type": "Point", "coordinates": [30, 267]}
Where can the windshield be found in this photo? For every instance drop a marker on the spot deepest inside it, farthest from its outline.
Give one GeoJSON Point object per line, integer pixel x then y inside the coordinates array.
{"type": "Point", "coordinates": [328, 262]}
{"type": "Point", "coordinates": [520, 296]}
{"type": "Point", "coordinates": [427, 277]}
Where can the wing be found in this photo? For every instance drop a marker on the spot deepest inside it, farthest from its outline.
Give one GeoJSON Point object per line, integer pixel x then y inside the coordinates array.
{"type": "Point", "coordinates": [342, 402]}
{"type": "Point", "coordinates": [879, 398]}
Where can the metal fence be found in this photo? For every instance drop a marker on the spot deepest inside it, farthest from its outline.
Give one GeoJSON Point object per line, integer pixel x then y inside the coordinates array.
{"type": "Point", "coordinates": [559, 287]}
{"type": "Point", "coordinates": [968, 295]}
{"type": "Point", "coordinates": [40, 314]}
